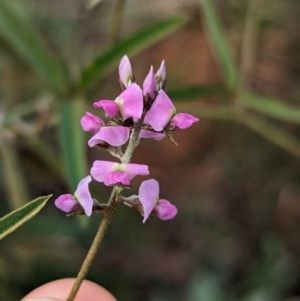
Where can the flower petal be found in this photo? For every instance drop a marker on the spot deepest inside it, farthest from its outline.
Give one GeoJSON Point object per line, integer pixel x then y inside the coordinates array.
{"type": "Point", "coordinates": [117, 178]}
{"type": "Point", "coordinates": [91, 123]}
{"type": "Point", "coordinates": [160, 112]}
{"type": "Point", "coordinates": [149, 84]}
{"type": "Point", "coordinates": [182, 121]}
{"type": "Point", "coordinates": [125, 71]}
{"type": "Point", "coordinates": [165, 210]}
{"type": "Point", "coordinates": [66, 203]}
{"type": "Point", "coordinates": [83, 195]}
{"type": "Point", "coordinates": [111, 109]}
{"type": "Point", "coordinates": [148, 195]}
{"type": "Point", "coordinates": [130, 102]}
{"type": "Point", "coordinates": [161, 76]}
{"type": "Point", "coordinates": [101, 169]}
{"type": "Point", "coordinates": [144, 134]}
{"type": "Point", "coordinates": [136, 169]}
{"type": "Point", "coordinates": [113, 135]}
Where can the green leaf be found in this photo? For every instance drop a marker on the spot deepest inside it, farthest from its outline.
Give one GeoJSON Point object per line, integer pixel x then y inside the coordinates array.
{"type": "Point", "coordinates": [23, 37]}
{"type": "Point", "coordinates": [271, 107]}
{"type": "Point", "coordinates": [17, 218]}
{"type": "Point", "coordinates": [200, 91]}
{"type": "Point", "coordinates": [219, 44]}
{"type": "Point", "coordinates": [15, 184]}
{"type": "Point", "coordinates": [271, 132]}
{"type": "Point", "coordinates": [139, 41]}
{"type": "Point", "coordinates": [73, 140]}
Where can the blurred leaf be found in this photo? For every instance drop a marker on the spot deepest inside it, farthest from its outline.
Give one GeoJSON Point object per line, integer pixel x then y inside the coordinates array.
{"type": "Point", "coordinates": [206, 287]}
{"type": "Point", "coordinates": [200, 91]}
{"type": "Point", "coordinates": [261, 294]}
{"type": "Point", "coordinates": [219, 44]}
{"type": "Point", "coordinates": [21, 34]}
{"type": "Point", "coordinates": [17, 218]}
{"type": "Point", "coordinates": [272, 107]}
{"type": "Point", "coordinates": [271, 132]}
{"type": "Point", "coordinates": [14, 178]}
{"type": "Point", "coordinates": [73, 140]}
{"type": "Point", "coordinates": [214, 111]}
{"type": "Point", "coordinates": [90, 4]}
{"type": "Point", "coordinates": [139, 41]}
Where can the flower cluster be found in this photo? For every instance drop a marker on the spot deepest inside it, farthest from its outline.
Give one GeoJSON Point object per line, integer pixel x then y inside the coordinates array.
{"type": "Point", "coordinates": [137, 113]}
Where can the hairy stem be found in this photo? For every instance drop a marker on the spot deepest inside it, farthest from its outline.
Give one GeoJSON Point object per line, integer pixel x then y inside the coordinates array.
{"type": "Point", "coordinates": [108, 214]}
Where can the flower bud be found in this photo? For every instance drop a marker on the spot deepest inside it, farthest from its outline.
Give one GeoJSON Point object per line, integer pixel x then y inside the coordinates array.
{"type": "Point", "coordinates": [161, 76]}
{"type": "Point", "coordinates": [149, 84]}
{"type": "Point", "coordinates": [125, 72]}
{"type": "Point", "coordinates": [91, 123]}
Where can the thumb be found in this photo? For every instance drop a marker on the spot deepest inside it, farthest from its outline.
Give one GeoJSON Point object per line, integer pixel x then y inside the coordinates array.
{"type": "Point", "coordinates": [59, 290]}
{"type": "Point", "coordinates": [43, 299]}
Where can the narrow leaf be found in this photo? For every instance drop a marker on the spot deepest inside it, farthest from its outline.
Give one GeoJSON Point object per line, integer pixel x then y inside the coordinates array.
{"type": "Point", "coordinates": [17, 218]}
{"type": "Point", "coordinates": [218, 42]}
{"type": "Point", "coordinates": [23, 37]}
{"type": "Point", "coordinates": [271, 132]}
{"type": "Point", "coordinates": [203, 110]}
{"type": "Point", "coordinates": [272, 107]}
{"type": "Point", "coordinates": [15, 184]}
{"type": "Point", "coordinates": [139, 41]}
{"type": "Point", "coordinates": [197, 92]}
{"type": "Point", "coordinates": [73, 140]}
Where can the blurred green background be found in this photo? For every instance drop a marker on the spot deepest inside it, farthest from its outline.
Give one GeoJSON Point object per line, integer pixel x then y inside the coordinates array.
{"type": "Point", "coordinates": [235, 175]}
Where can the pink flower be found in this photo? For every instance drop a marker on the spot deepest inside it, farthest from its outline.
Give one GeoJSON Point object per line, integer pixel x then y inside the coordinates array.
{"type": "Point", "coordinates": [161, 112]}
{"type": "Point", "coordinates": [113, 135]}
{"type": "Point", "coordinates": [125, 72]}
{"type": "Point", "coordinates": [161, 76]}
{"type": "Point", "coordinates": [149, 84]}
{"type": "Point", "coordinates": [91, 123]}
{"type": "Point", "coordinates": [112, 173]}
{"type": "Point", "coordinates": [144, 134]}
{"type": "Point", "coordinates": [182, 121]}
{"type": "Point", "coordinates": [161, 115]}
{"type": "Point", "coordinates": [128, 104]}
{"type": "Point", "coordinates": [82, 198]}
{"type": "Point", "coordinates": [149, 198]}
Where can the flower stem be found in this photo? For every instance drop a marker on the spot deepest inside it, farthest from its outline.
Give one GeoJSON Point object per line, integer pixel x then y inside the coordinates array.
{"type": "Point", "coordinates": [108, 214]}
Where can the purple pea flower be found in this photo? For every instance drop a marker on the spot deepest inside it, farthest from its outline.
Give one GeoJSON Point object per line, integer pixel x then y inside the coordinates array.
{"type": "Point", "coordinates": [91, 123]}
{"type": "Point", "coordinates": [113, 135]}
{"type": "Point", "coordinates": [144, 134]}
{"type": "Point", "coordinates": [149, 198]}
{"type": "Point", "coordinates": [149, 84]}
{"type": "Point", "coordinates": [128, 104]}
{"type": "Point", "coordinates": [125, 72]}
{"type": "Point", "coordinates": [113, 173]}
{"type": "Point", "coordinates": [161, 115]}
{"type": "Point", "coordinates": [81, 198]}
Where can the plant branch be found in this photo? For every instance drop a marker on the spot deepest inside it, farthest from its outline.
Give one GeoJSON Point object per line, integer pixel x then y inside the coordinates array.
{"type": "Point", "coordinates": [108, 214]}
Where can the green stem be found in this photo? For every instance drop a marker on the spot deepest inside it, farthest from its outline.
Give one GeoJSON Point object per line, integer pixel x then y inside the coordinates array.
{"type": "Point", "coordinates": [117, 21]}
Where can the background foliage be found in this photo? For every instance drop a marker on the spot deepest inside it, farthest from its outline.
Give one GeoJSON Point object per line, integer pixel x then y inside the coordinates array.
{"type": "Point", "coordinates": [234, 176]}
